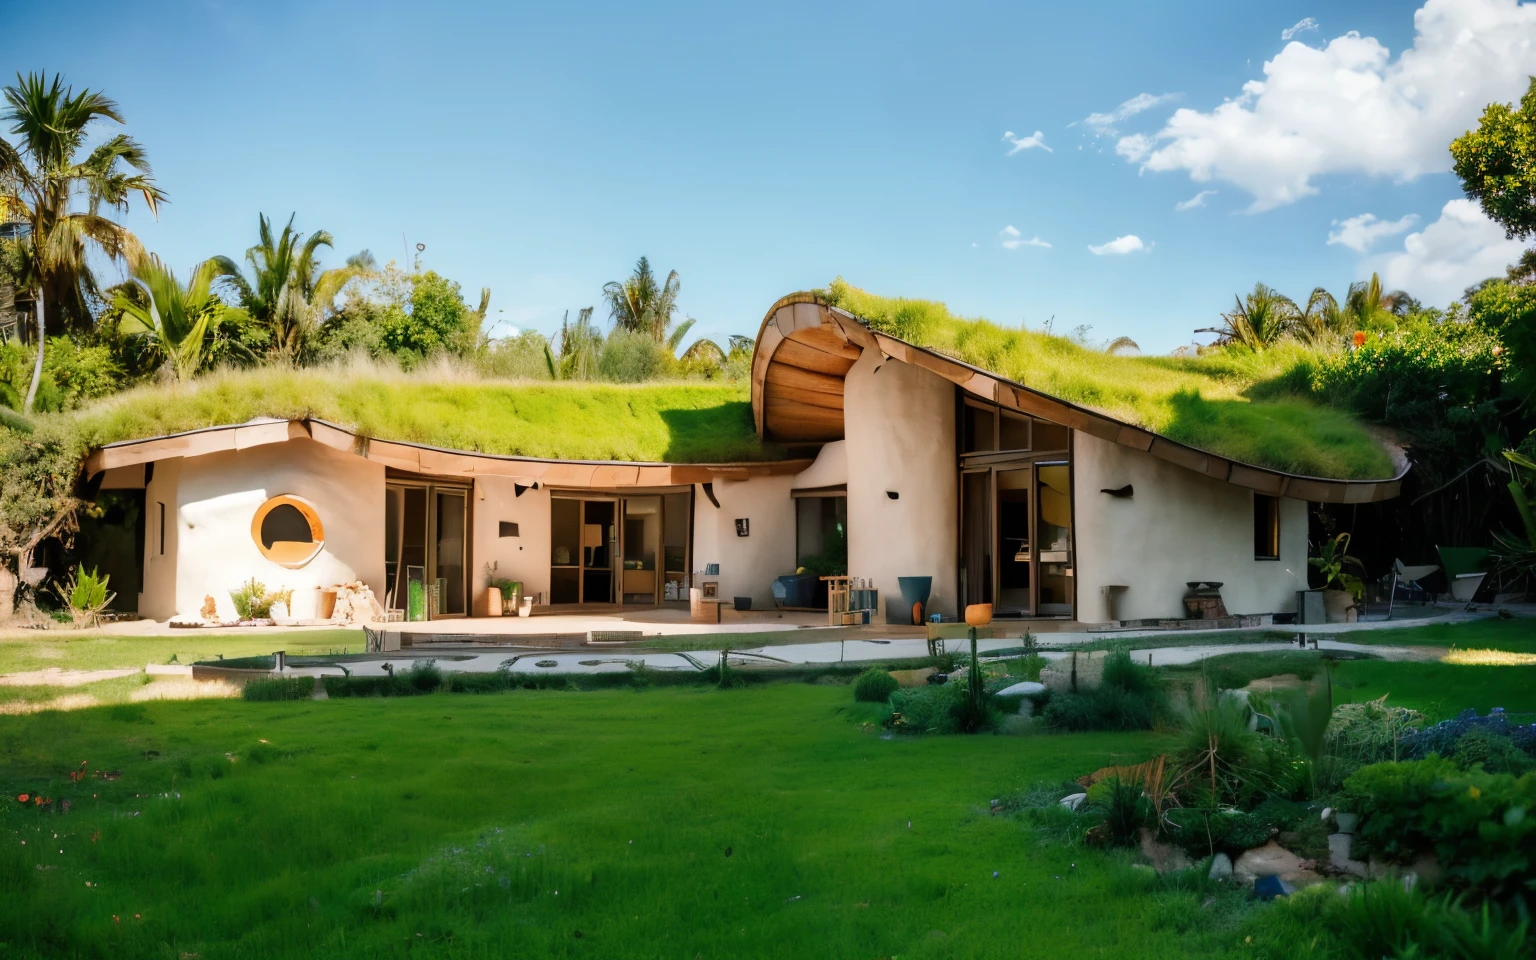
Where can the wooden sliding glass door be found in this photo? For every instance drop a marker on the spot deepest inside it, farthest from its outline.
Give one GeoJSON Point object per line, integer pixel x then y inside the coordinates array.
{"type": "Point", "coordinates": [619, 549]}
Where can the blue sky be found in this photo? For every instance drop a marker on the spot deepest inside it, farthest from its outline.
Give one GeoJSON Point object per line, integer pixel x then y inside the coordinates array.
{"type": "Point", "coordinates": [538, 149]}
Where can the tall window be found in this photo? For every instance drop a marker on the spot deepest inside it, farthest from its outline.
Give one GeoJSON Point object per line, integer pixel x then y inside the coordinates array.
{"type": "Point", "coordinates": [1266, 527]}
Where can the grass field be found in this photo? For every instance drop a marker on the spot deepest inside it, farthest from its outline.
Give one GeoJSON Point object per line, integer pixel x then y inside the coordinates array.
{"type": "Point", "coordinates": [673, 422]}
{"type": "Point", "coordinates": [766, 821]}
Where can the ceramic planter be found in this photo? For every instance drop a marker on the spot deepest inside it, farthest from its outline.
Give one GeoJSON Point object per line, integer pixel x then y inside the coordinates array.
{"type": "Point", "coordinates": [1338, 604]}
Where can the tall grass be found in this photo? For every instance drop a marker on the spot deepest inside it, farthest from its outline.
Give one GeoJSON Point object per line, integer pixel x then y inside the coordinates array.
{"type": "Point", "coordinates": [1235, 402]}
{"type": "Point", "coordinates": [449, 404]}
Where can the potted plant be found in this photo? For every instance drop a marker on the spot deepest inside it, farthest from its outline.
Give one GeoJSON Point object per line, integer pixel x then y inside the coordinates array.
{"type": "Point", "coordinates": [1341, 590]}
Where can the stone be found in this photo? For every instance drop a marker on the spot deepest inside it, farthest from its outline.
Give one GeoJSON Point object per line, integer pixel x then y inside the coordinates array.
{"type": "Point", "coordinates": [1272, 860]}
{"type": "Point", "coordinates": [1027, 688]}
{"type": "Point", "coordinates": [210, 609]}
{"type": "Point", "coordinates": [1270, 887]}
{"type": "Point", "coordinates": [1339, 845]}
{"type": "Point", "coordinates": [1073, 800]}
{"type": "Point", "coordinates": [1221, 867]}
{"type": "Point", "coordinates": [1165, 857]}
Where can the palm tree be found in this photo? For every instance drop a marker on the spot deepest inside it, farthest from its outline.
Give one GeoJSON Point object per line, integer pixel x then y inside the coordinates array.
{"type": "Point", "coordinates": [176, 320]}
{"type": "Point", "coordinates": [288, 292]}
{"type": "Point", "coordinates": [1321, 319]}
{"type": "Point", "coordinates": [639, 304]}
{"type": "Point", "coordinates": [1367, 305]}
{"type": "Point", "coordinates": [1524, 269]}
{"type": "Point", "coordinates": [1259, 319]}
{"type": "Point", "coordinates": [40, 177]}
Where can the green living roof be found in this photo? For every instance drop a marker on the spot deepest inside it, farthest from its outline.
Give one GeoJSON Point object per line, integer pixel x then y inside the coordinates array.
{"type": "Point", "coordinates": [656, 422]}
{"type": "Point", "coordinates": [1235, 402]}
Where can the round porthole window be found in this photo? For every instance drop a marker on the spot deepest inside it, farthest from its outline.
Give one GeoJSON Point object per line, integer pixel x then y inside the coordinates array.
{"type": "Point", "coordinates": [287, 531]}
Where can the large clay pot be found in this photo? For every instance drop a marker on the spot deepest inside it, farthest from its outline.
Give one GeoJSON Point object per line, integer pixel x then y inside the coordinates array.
{"type": "Point", "coordinates": [978, 614]}
{"type": "Point", "coordinates": [1337, 604]}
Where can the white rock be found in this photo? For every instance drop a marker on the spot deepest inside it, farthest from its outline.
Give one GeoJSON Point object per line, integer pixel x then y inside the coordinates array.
{"type": "Point", "coordinates": [1026, 688]}
{"type": "Point", "coordinates": [1221, 867]}
{"type": "Point", "coordinates": [1073, 800]}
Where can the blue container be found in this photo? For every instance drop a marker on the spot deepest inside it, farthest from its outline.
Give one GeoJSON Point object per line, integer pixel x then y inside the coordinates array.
{"type": "Point", "coordinates": [799, 590]}
{"type": "Point", "coordinates": [914, 593]}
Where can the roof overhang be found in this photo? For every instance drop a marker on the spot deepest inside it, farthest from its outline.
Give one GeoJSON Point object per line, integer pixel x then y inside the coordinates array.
{"type": "Point", "coordinates": [435, 461]}
{"type": "Point", "coordinates": [806, 347]}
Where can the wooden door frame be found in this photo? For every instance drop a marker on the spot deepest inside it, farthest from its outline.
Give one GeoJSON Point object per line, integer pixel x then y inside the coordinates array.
{"type": "Point", "coordinates": [431, 485]}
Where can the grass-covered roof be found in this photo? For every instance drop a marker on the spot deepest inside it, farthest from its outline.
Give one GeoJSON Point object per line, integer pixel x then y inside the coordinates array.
{"type": "Point", "coordinates": [1236, 402]}
{"type": "Point", "coordinates": [444, 407]}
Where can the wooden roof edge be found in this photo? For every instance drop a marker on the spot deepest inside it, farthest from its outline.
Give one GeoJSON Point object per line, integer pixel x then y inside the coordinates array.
{"type": "Point", "coordinates": [1253, 476]}
{"type": "Point", "coordinates": [224, 437]}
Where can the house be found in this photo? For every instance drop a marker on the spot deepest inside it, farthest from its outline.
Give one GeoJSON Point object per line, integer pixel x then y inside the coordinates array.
{"type": "Point", "coordinates": [925, 464]}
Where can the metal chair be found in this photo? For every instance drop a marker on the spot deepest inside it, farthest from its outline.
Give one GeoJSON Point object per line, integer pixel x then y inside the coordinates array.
{"type": "Point", "coordinates": [1402, 573]}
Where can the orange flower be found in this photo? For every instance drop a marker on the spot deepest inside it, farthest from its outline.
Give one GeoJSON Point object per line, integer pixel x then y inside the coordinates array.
{"type": "Point", "coordinates": [1359, 338]}
{"type": "Point", "coordinates": [24, 798]}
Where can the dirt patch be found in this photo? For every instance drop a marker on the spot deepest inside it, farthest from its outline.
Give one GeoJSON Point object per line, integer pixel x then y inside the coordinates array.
{"type": "Point", "coordinates": [54, 677]}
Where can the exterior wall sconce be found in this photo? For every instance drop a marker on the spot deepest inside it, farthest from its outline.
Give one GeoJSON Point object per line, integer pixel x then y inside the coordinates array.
{"type": "Point", "coordinates": [743, 527]}
{"type": "Point", "coordinates": [1123, 493]}
{"type": "Point", "coordinates": [893, 494]}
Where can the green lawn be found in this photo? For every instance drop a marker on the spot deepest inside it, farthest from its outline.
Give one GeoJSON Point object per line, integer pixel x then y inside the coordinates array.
{"type": "Point", "coordinates": [90, 650]}
{"type": "Point", "coordinates": [767, 821]}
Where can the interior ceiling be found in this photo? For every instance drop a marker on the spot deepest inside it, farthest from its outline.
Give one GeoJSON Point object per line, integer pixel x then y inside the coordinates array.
{"type": "Point", "coordinates": [803, 386]}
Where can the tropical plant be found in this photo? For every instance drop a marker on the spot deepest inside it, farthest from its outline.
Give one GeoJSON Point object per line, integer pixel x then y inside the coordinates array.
{"type": "Point", "coordinates": [84, 592]}
{"type": "Point", "coordinates": [287, 291]}
{"type": "Point", "coordinates": [1497, 164]}
{"type": "Point", "coordinates": [1301, 717]}
{"type": "Point", "coordinates": [41, 176]}
{"type": "Point", "coordinates": [1516, 553]}
{"type": "Point", "coordinates": [1322, 320]}
{"type": "Point", "coordinates": [874, 686]}
{"type": "Point", "coordinates": [38, 466]}
{"type": "Point", "coordinates": [176, 321]}
{"type": "Point", "coordinates": [1332, 562]}
{"type": "Point", "coordinates": [253, 601]}
{"type": "Point", "coordinates": [1367, 306]}
{"type": "Point", "coordinates": [1258, 320]}
{"type": "Point", "coordinates": [641, 305]}
{"type": "Point", "coordinates": [577, 348]}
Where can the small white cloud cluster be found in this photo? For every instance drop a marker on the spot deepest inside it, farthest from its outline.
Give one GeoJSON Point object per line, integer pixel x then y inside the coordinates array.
{"type": "Point", "coordinates": [1130, 243]}
{"type": "Point", "coordinates": [1302, 26]}
{"type": "Point", "coordinates": [1013, 240]}
{"type": "Point", "coordinates": [1020, 144]}
{"type": "Point", "coordinates": [1360, 233]}
{"type": "Point", "coordinates": [1103, 124]}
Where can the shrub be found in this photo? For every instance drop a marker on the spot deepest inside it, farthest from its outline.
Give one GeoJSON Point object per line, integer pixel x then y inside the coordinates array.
{"type": "Point", "coordinates": [939, 708]}
{"type": "Point", "coordinates": [254, 602]}
{"type": "Point", "coordinates": [1479, 825]}
{"type": "Point", "coordinates": [1443, 737]}
{"type": "Point", "coordinates": [1386, 919]}
{"type": "Point", "coordinates": [424, 675]}
{"type": "Point", "coordinates": [86, 595]}
{"type": "Point", "coordinates": [1222, 758]}
{"type": "Point", "coordinates": [1482, 747]}
{"type": "Point", "coordinates": [279, 688]}
{"type": "Point", "coordinates": [874, 686]}
{"type": "Point", "coordinates": [630, 357]}
{"type": "Point", "coordinates": [1129, 697]}
{"type": "Point", "coordinates": [1123, 808]}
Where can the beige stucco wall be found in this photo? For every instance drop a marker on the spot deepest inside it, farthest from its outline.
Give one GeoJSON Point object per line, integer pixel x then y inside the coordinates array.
{"type": "Point", "coordinates": [1178, 526]}
{"type": "Point", "coordinates": [748, 565]}
{"type": "Point", "coordinates": [209, 548]}
{"type": "Point", "coordinates": [899, 425]}
{"type": "Point", "coordinates": [524, 557]}
{"type": "Point", "coordinates": [829, 469]}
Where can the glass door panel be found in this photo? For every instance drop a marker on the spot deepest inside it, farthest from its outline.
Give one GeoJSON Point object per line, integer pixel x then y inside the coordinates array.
{"type": "Point", "coordinates": [565, 551]}
{"type": "Point", "coordinates": [1054, 536]}
{"type": "Point", "coordinates": [976, 537]}
{"type": "Point", "coordinates": [675, 514]}
{"type": "Point", "coordinates": [642, 545]}
{"type": "Point", "coordinates": [599, 550]}
{"type": "Point", "coordinates": [449, 544]}
{"type": "Point", "coordinates": [1015, 556]}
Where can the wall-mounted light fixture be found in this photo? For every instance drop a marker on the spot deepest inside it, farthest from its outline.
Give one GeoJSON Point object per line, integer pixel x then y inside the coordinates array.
{"type": "Point", "coordinates": [743, 527]}
{"type": "Point", "coordinates": [507, 529]}
{"type": "Point", "coordinates": [893, 494]}
{"type": "Point", "coordinates": [1123, 493]}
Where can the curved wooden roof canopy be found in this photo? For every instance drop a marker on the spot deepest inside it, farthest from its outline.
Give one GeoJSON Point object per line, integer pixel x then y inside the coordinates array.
{"type": "Point", "coordinates": [806, 347]}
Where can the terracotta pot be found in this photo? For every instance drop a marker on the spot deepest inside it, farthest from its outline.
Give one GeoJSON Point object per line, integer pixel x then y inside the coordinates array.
{"type": "Point", "coordinates": [1337, 603]}
{"type": "Point", "coordinates": [978, 614]}
{"type": "Point", "coordinates": [326, 608]}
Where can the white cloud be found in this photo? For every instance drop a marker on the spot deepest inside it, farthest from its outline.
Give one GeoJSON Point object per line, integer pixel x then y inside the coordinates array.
{"type": "Point", "coordinates": [1130, 243]}
{"type": "Point", "coordinates": [1302, 26]}
{"type": "Point", "coordinates": [1349, 107]}
{"type": "Point", "coordinates": [1013, 240]}
{"type": "Point", "coordinates": [1103, 124]}
{"type": "Point", "coordinates": [1439, 262]}
{"type": "Point", "coordinates": [1036, 139]}
{"type": "Point", "coordinates": [1198, 200]}
{"type": "Point", "coordinates": [1359, 233]}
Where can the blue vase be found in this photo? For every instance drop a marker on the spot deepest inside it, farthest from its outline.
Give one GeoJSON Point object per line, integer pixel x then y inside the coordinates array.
{"type": "Point", "coordinates": [914, 594]}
